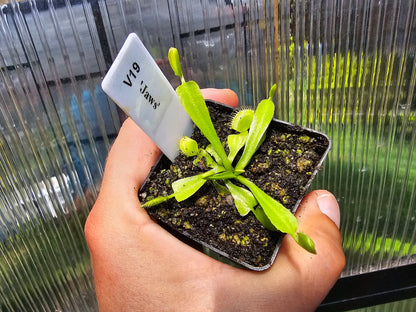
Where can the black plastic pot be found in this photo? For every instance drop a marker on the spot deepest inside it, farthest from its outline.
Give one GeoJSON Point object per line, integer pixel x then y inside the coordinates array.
{"type": "Point", "coordinates": [285, 130]}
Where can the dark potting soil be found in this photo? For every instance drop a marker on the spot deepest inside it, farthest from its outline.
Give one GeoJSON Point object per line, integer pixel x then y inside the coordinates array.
{"type": "Point", "coordinates": [282, 167]}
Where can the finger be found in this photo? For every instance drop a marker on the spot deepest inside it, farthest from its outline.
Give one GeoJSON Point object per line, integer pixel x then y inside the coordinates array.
{"type": "Point", "coordinates": [225, 96]}
{"type": "Point", "coordinates": [130, 159]}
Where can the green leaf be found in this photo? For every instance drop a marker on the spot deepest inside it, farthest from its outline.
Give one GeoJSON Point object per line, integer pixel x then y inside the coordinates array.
{"type": "Point", "coordinates": [175, 63]}
{"type": "Point", "coordinates": [186, 187]}
{"type": "Point", "coordinates": [305, 241]}
{"type": "Point", "coordinates": [272, 91]}
{"type": "Point", "coordinates": [208, 159]}
{"type": "Point", "coordinates": [243, 199]}
{"type": "Point", "coordinates": [216, 169]}
{"type": "Point", "coordinates": [221, 189]}
{"type": "Point", "coordinates": [156, 201]}
{"type": "Point", "coordinates": [261, 120]}
{"type": "Point", "coordinates": [235, 143]}
{"type": "Point", "coordinates": [223, 175]}
{"type": "Point", "coordinates": [264, 220]}
{"type": "Point", "coordinates": [210, 150]}
{"type": "Point", "coordinates": [194, 104]}
{"type": "Point", "coordinates": [282, 219]}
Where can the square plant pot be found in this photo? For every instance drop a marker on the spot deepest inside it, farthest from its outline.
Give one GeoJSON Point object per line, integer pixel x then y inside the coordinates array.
{"type": "Point", "coordinates": [283, 167]}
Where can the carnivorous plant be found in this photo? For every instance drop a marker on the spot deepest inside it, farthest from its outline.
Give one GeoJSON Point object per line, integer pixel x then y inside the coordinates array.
{"type": "Point", "coordinates": [251, 127]}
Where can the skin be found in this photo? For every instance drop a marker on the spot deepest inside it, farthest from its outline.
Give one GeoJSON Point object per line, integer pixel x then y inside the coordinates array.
{"type": "Point", "coordinates": [138, 266]}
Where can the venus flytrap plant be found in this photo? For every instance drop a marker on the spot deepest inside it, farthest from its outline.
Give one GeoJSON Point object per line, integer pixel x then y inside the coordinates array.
{"type": "Point", "coordinates": [251, 127]}
{"type": "Point", "coordinates": [193, 102]}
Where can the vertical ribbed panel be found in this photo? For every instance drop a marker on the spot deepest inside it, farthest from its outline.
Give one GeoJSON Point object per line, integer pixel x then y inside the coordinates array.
{"type": "Point", "coordinates": [344, 67]}
{"type": "Point", "coordinates": [54, 138]}
{"type": "Point", "coordinates": [348, 68]}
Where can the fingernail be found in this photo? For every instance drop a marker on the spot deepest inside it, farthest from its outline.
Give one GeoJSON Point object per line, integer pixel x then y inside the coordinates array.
{"type": "Point", "coordinates": [328, 205]}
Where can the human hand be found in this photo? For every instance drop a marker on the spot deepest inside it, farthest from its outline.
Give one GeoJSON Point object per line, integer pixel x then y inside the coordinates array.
{"type": "Point", "coordinates": [139, 266]}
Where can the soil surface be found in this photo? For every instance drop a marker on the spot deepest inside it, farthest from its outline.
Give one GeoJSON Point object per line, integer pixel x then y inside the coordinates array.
{"type": "Point", "coordinates": [282, 167]}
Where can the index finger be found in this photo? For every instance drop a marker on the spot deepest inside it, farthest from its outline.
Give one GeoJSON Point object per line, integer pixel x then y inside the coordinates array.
{"type": "Point", "coordinates": [130, 159]}
{"type": "Point", "coordinates": [225, 96]}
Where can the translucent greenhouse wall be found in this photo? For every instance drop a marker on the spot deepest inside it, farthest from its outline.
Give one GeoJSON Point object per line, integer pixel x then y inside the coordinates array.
{"type": "Point", "coordinates": [344, 67]}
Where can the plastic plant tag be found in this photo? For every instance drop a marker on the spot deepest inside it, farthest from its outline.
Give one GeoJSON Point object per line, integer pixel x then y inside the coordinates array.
{"type": "Point", "coordinates": [136, 84]}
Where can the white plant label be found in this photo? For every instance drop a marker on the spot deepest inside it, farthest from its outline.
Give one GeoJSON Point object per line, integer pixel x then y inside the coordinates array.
{"type": "Point", "coordinates": [136, 84]}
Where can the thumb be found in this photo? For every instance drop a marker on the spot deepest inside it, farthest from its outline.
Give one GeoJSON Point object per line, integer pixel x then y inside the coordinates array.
{"type": "Point", "coordinates": [314, 275]}
{"type": "Point", "coordinates": [298, 280]}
